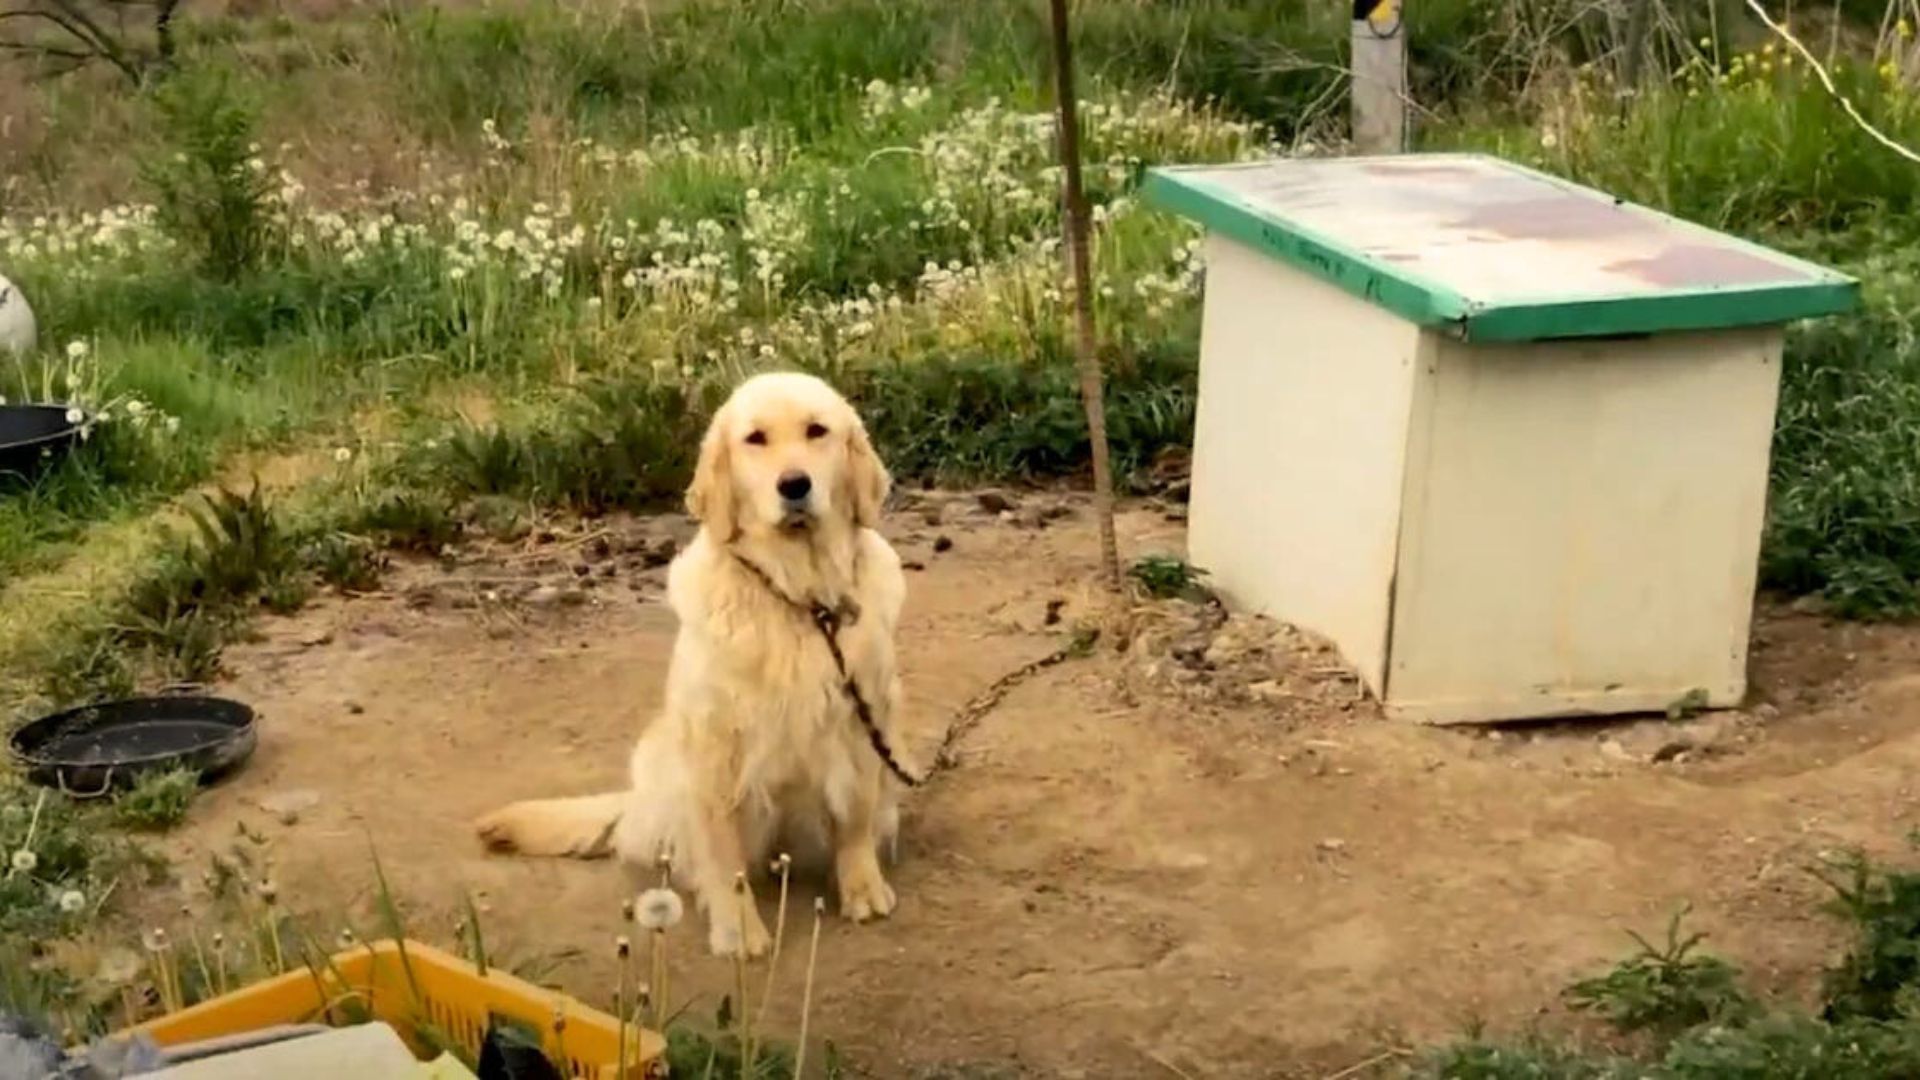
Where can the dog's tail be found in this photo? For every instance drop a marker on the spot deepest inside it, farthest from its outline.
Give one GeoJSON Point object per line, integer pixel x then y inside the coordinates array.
{"type": "Point", "coordinates": [580, 828]}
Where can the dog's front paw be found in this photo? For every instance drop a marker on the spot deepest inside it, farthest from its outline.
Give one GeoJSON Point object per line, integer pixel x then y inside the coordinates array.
{"type": "Point", "coordinates": [865, 894]}
{"type": "Point", "coordinates": [726, 935]}
{"type": "Point", "coordinates": [497, 833]}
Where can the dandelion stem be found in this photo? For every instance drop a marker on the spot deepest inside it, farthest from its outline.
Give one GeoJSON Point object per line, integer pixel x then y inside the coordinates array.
{"type": "Point", "coordinates": [806, 993]}
{"type": "Point", "coordinates": [782, 866]}
{"type": "Point", "coordinates": [200, 957]}
{"type": "Point", "coordinates": [742, 898]}
{"type": "Point", "coordinates": [625, 951]}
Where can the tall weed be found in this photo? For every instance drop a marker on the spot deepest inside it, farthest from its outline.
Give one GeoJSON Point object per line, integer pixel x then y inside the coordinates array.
{"type": "Point", "coordinates": [209, 182]}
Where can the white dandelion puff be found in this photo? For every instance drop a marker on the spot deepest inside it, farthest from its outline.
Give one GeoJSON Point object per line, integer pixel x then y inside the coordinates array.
{"type": "Point", "coordinates": [73, 901]}
{"type": "Point", "coordinates": [76, 350]}
{"type": "Point", "coordinates": [24, 861]}
{"type": "Point", "coordinates": [342, 455]}
{"type": "Point", "coordinates": [659, 909]}
{"type": "Point", "coordinates": [75, 416]}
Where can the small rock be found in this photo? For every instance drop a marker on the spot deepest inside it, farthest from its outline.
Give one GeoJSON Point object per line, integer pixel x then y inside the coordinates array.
{"type": "Point", "coordinates": [420, 596]}
{"type": "Point", "coordinates": [996, 502]}
{"type": "Point", "coordinates": [581, 569]}
{"type": "Point", "coordinates": [287, 806]}
{"type": "Point", "coordinates": [942, 544]}
{"type": "Point", "coordinates": [1032, 518]}
{"type": "Point", "coordinates": [600, 548]}
{"type": "Point", "coordinates": [317, 637]}
{"type": "Point", "coordinates": [1675, 750]}
{"type": "Point", "coordinates": [912, 564]}
{"type": "Point", "coordinates": [1269, 691]}
{"type": "Point", "coordinates": [1613, 750]}
{"type": "Point", "coordinates": [662, 552]}
{"type": "Point", "coordinates": [1005, 517]}
{"type": "Point", "coordinates": [354, 708]}
{"type": "Point", "coordinates": [1332, 846]}
{"type": "Point", "coordinates": [934, 514]}
{"type": "Point", "coordinates": [1053, 611]}
{"type": "Point", "coordinates": [544, 596]}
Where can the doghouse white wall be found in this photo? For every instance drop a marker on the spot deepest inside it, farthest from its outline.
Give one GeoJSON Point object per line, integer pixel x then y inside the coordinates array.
{"type": "Point", "coordinates": [1486, 531]}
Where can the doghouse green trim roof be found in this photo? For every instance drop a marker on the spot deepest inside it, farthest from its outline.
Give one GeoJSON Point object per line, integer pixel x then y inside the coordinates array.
{"type": "Point", "coordinates": [1462, 241]}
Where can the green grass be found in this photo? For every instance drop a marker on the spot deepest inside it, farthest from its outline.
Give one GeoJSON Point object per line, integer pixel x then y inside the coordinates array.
{"type": "Point", "coordinates": [835, 191]}
{"type": "Point", "coordinates": [158, 800]}
{"type": "Point", "coordinates": [1693, 1020]}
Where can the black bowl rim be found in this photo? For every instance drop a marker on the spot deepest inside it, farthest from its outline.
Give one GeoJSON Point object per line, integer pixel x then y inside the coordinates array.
{"type": "Point", "coordinates": [239, 720]}
{"type": "Point", "coordinates": [66, 434]}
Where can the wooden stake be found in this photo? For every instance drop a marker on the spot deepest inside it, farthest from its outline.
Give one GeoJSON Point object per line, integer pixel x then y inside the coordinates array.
{"type": "Point", "coordinates": [1092, 391]}
{"type": "Point", "coordinates": [1379, 77]}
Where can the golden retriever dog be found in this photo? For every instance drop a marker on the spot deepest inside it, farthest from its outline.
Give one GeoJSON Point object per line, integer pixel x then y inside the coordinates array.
{"type": "Point", "coordinates": [782, 694]}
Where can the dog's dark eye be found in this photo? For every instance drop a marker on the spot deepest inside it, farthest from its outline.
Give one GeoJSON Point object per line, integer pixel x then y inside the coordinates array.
{"type": "Point", "coordinates": [757, 438]}
{"type": "Point", "coordinates": [816, 431]}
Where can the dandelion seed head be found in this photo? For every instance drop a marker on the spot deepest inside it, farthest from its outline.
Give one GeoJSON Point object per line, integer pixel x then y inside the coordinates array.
{"type": "Point", "coordinates": [659, 909]}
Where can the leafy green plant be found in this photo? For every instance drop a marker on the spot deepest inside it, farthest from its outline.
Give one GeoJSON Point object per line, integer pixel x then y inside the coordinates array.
{"type": "Point", "coordinates": [1166, 576]}
{"type": "Point", "coordinates": [178, 615]}
{"type": "Point", "coordinates": [158, 800]}
{"type": "Point", "coordinates": [1665, 989]}
{"type": "Point", "coordinates": [1879, 977]}
{"type": "Point", "coordinates": [209, 183]}
{"type": "Point", "coordinates": [344, 561]}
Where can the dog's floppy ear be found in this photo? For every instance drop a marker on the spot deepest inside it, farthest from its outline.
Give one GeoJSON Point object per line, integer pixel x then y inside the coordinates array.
{"type": "Point", "coordinates": [710, 496]}
{"type": "Point", "coordinates": [866, 474]}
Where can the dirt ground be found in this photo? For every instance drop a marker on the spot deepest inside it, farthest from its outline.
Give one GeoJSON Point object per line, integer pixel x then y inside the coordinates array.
{"type": "Point", "coordinates": [1204, 856]}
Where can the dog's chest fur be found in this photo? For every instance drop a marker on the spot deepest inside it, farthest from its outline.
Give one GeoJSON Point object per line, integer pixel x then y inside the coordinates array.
{"type": "Point", "coordinates": [754, 674]}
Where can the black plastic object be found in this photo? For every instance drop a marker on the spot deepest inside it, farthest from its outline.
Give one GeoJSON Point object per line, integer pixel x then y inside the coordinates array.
{"type": "Point", "coordinates": [508, 1053]}
{"type": "Point", "coordinates": [33, 436]}
{"type": "Point", "coordinates": [96, 748]}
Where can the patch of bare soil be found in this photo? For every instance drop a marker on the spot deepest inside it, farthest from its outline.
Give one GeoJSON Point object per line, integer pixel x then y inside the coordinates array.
{"type": "Point", "coordinates": [1200, 854]}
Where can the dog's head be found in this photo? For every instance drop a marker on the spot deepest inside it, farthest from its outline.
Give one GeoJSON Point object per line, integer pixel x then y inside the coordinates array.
{"type": "Point", "coordinates": [786, 453]}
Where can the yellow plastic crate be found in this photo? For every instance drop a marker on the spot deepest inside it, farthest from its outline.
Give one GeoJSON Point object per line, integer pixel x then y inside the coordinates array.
{"type": "Point", "coordinates": [445, 991]}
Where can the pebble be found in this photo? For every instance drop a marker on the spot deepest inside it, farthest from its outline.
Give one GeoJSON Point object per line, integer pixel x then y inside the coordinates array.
{"type": "Point", "coordinates": [287, 806]}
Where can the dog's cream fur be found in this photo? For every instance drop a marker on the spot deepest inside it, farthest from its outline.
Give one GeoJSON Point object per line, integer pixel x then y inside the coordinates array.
{"type": "Point", "coordinates": [756, 738]}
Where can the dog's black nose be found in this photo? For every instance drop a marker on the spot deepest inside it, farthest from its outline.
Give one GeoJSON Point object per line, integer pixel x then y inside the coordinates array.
{"type": "Point", "coordinates": [794, 486]}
